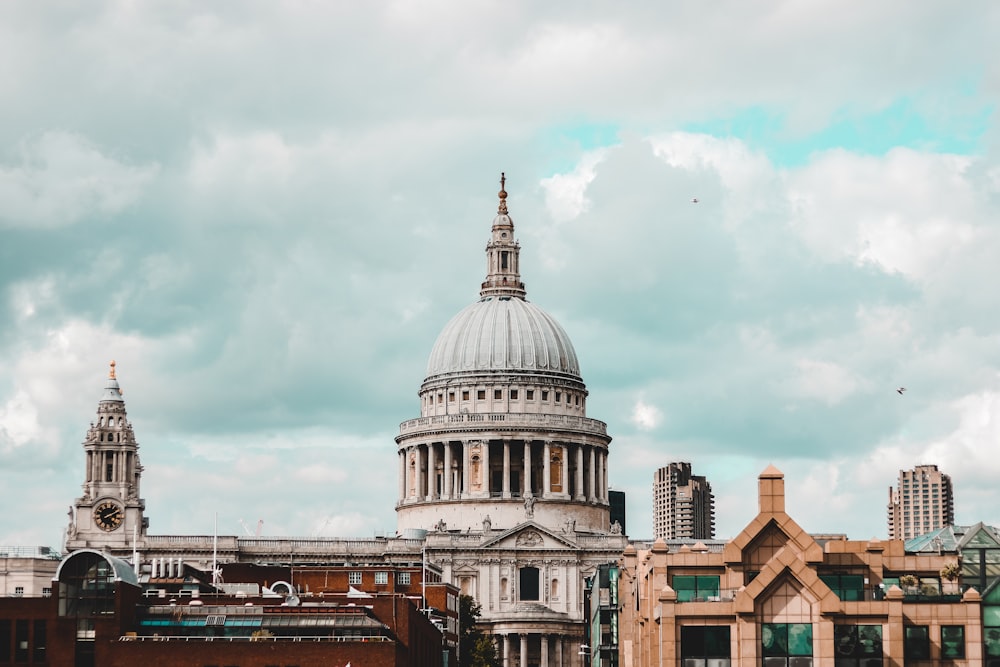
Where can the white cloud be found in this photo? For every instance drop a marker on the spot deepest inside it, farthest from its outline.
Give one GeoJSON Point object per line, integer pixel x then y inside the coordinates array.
{"type": "Point", "coordinates": [824, 381]}
{"type": "Point", "coordinates": [566, 194]}
{"type": "Point", "coordinates": [645, 416]}
{"type": "Point", "coordinates": [906, 212]}
{"type": "Point", "coordinates": [63, 178]}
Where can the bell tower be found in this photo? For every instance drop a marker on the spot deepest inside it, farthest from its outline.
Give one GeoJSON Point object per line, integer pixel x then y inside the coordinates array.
{"type": "Point", "coordinates": [110, 511]}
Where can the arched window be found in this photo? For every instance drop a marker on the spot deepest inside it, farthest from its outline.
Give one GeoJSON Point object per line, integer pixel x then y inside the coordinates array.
{"type": "Point", "coordinates": [554, 589]}
{"type": "Point", "coordinates": [503, 588]}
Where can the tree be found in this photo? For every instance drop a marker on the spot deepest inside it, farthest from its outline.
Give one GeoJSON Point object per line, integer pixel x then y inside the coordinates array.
{"type": "Point", "coordinates": [475, 648]}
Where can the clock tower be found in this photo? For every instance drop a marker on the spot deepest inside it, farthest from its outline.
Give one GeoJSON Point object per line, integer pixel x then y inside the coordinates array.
{"type": "Point", "coordinates": [109, 514]}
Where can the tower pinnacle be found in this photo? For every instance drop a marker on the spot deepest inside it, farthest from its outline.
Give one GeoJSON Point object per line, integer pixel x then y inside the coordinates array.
{"type": "Point", "coordinates": [503, 278]}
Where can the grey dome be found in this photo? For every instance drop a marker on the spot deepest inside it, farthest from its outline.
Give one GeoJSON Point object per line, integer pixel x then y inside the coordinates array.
{"type": "Point", "coordinates": [503, 334]}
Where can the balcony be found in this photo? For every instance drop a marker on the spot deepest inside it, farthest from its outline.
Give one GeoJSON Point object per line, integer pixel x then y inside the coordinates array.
{"type": "Point", "coordinates": [503, 421]}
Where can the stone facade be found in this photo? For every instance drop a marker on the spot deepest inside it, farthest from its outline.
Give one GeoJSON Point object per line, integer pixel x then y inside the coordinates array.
{"type": "Point", "coordinates": [503, 478]}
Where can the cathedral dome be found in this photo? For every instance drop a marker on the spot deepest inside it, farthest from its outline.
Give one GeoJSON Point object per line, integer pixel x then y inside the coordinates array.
{"type": "Point", "coordinates": [503, 334]}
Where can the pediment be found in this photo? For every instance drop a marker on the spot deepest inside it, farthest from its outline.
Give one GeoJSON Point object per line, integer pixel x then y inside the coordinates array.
{"type": "Point", "coordinates": [528, 535]}
{"type": "Point", "coordinates": [769, 533]}
{"type": "Point", "coordinates": [787, 575]}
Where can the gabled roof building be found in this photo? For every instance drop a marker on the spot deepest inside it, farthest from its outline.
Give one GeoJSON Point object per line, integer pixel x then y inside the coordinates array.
{"type": "Point", "coordinates": [775, 596]}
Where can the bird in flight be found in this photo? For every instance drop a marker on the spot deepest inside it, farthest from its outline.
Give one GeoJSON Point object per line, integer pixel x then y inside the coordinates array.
{"type": "Point", "coordinates": [900, 390]}
{"type": "Point", "coordinates": [694, 200]}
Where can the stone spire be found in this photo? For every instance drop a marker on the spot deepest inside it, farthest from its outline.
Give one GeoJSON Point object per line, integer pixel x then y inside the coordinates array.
{"type": "Point", "coordinates": [112, 457]}
{"type": "Point", "coordinates": [503, 278]}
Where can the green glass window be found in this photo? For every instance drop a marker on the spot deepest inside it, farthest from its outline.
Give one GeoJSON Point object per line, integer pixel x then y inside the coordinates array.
{"type": "Point", "coordinates": [701, 642]}
{"type": "Point", "coordinates": [696, 588]}
{"type": "Point", "coordinates": [952, 641]}
{"type": "Point", "coordinates": [916, 642]}
{"type": "Point", "coordinates": [857, 645]}
{"type": "Point", "coordinates": [785, 640]}
{"type": "Point", "coordinates": [848, 587]}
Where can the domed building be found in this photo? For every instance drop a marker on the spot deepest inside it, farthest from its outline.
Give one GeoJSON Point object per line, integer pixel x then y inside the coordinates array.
{"type": "Point", "coordinates": [503, 483]}
{"type": "Point", "coordinates": [503, 474]}
{"type": "Point", "coordinates": [503, 428]}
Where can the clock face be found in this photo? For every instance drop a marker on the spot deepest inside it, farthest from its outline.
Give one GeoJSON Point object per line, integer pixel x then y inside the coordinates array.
{"type": "Point", "coordinates": [108, 515]}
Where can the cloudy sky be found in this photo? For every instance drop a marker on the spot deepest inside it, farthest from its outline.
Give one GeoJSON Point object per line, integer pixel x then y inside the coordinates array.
{"type": "Point", "coordinates": [266, 212]}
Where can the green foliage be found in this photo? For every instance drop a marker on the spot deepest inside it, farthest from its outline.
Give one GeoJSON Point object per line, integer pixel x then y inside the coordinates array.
{"type": "Point", "coordinates": [476, 649]}
{"type": "Point", "coordinates": [950, 571]}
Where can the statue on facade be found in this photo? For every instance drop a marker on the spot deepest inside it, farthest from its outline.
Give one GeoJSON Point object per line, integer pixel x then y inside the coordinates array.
{"type": "Point", "coordinates": [71, 530]}
{"type": "Point", "coordinates": [616, 528]}
{"type": "Point", "coordinates": [570, 526]}
{"type": "Point", "coordinates": [441, 526]}
{"type": "Point", "coordinates": [529, 505]}
{"type": "Point", "coordinates": [487, 524]}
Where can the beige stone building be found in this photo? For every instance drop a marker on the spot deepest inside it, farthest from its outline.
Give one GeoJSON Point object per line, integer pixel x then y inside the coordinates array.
{"type": "Point", "coordinates": [776, 596]}
{"type": "Point", "coordinates": [683, 504]}
{"type": "Point", "coordinates": [27, 571]}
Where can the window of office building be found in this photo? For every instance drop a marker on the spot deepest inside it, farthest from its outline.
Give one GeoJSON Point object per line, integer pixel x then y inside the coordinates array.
{"type": "Point", "coordinates": [916, 642]}
{"type": "Point", "coordinates": [848, 587]}
{"type": "Point", "coordinates": [858, 645]}
{"type": "Point", "coordinates": [354, 578]}
{"type": "Point", "coordinates": [786, 644]}
{"type": "Point", "coordinates": [696, 588]}
{"type": "Point", "coordinates": [952, 641]}
{"type": "Point", "coordinates": [381, 577]}
{"type": "Point", "coordinates": [705, 646]}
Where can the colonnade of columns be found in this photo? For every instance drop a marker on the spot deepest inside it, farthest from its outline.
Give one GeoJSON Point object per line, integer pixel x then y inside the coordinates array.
{"type": "Point", "coordinates": [551, 649]}
{"type": "Point", "coordinates": [451, 470]}
{"type": "Point", "coordinates": [110, 465]}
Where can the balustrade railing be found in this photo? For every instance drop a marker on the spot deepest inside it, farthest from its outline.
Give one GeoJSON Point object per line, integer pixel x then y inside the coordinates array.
{"type": "Point", "coordinates": [568, 422]}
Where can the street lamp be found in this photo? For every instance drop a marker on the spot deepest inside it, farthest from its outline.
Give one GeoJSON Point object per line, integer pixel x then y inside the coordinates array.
{"type": "Point", "coordinates": [584, 653]}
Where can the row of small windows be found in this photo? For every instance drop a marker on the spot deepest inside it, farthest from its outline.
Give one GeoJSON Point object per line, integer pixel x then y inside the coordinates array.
{"type": "Point", "coordinates": [112, 437]}
{"type": "Point", "coordinates": [529, 395]}
{"type": "Point", "coordinates": [381, 578]}
{"type": "Point", "coordinates": [110, 421]}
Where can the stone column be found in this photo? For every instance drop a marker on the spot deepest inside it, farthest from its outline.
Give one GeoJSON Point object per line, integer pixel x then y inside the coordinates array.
{"type": "Point", "coordinates": [485, 469]}
{"type": "Point", "coordinates": [592, 489]}
{"type": "Point", "coordinates": [544, 662]}
{"type": "Point", "coordinates": [506, 469]}
{"type": "Point", "coordinates": [418, 491]}
{"type": "Point", "coordinates": [505, 656]}
{"type": "Point", "coordinates": [527, 470]}
{"type": "Point", "coordinates": [546, 469]}
{"type": "Point", "coordinates": [447, 469]}
{"type": "Point", "coordinates": [431, 472]}
{"type": "Point", "coordinates": [604, 476]}
{"type": "Point", "coordinates": [560, 648]}
{"type": "Point", "coordinates": [524, 650]}
{"type": "Point", "coordinates": [579, 473]}
{"type": "Point", "coordinates": [402, 474]}
{"type": "Point", "coordinates": [564, 476]}
{"type": "Point", "coordinates": [466, 481]}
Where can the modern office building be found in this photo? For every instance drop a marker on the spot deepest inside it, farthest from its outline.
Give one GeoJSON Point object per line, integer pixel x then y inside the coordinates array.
{"type": "Point", "coordinates": [776, 596]}
{"type": "Point", "coordinates": [923, 501]}
{"type": "Point", "coordinates": [683, 504]}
